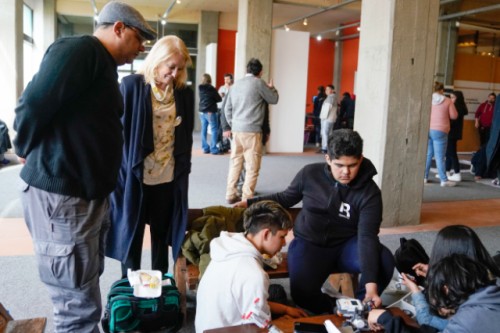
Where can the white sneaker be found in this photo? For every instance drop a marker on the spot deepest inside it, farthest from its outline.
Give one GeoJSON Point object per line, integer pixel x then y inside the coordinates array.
{"type": "Point", "coordinates": [456, 177]}
{"type": "Point", "coordinates": [448, 174]}
{"type": "Point", "coordinates": [425, 181]}
{"type": "Point", "coordinates": [448, 184]}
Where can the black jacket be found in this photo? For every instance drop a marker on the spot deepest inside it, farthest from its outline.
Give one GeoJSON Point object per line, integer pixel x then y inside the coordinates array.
{"type": "Point", "coordinates": [332, 213]}
{"type": "Point", "coordinates": [209, 97]}
{"type": "Point", "coordinates": [68, 121]}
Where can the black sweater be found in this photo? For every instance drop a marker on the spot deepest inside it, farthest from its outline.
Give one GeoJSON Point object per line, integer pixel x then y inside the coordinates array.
{"type": "Point", "coordinates": [324, 220]}
{"type": "Point", "coordinates": [68, 121]}
{"type": "Point", "coordinates": [208, 98]}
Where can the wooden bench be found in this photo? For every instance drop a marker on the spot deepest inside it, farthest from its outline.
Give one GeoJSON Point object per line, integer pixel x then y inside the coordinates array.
{"type": "Point", "coordinates": [187, 275]}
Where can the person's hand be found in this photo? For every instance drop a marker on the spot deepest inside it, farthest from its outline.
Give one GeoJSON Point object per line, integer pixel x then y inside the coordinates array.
{"type": "Point", "coordinates": [476, 124]}
{"type": "Point", "coordinates": [373, 316]}
{"type": "Point", "coordinates": [241, 204]}
{"type": "Point", "coordinates": [410, 283]}
{"type": "Point", "coordinates": [421, 269]}
{"type": "Point", "coordinates": [372, 295]}
{"type": "Point", "coordinates": [21, 160]}
{"type": "Point", "coordinates": [295, 312]}
{"type": "Point", "coordinates": [270, 84]}
{"type": "Point", "coordinates": [227, 134]}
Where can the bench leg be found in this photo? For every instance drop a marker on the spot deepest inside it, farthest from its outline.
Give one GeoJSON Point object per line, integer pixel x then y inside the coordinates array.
{"type": "Point", "coordinates": [180, 272]}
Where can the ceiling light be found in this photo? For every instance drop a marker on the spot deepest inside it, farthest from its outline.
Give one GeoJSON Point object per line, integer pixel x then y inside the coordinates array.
{"type": "Point", "coordinates": [305, 21]}
{"type": "Point", "coordinates": [178, 1]}
{"type": "Point", "coordinates": [163, 21]}
{"type": "Point", "coordinates": [358, 28]}
{"type": "Point", "coordinates": [287, 28]}
{"type": "Point", "coordinates": [318, 37]}
{"type": "Point", "coordinates": [96, 18]}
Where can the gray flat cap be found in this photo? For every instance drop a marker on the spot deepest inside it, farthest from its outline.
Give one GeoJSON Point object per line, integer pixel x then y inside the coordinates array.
{"type": "Point", "coordinates": [118, 11]}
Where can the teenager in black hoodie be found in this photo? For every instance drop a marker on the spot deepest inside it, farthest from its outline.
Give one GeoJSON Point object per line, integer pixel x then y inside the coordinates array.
{"type": "Point", "coordinates": [337, 228]}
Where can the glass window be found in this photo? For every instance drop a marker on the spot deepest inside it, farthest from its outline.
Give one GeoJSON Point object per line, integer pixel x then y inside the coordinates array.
{"type": "Point", "coordinates": [28, 23]}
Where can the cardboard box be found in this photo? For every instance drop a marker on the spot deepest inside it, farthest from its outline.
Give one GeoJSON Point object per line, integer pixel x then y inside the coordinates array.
{"type": "Point", "coordinates": [9, 325]}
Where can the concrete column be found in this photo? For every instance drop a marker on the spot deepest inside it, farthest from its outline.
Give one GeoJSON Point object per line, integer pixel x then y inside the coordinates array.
{"type": "Point", "coordinates": [337, 66]}
{"type": "Point", "coordinates": [208, 32]}
{"type": "Point", "coordinates": [49, 23]}
{"type": "Point", "coordinates": [254, 35]}
{"type": "Point", "coordinates": [394, 87]}
{"type": "Point", "coordinates": [11, 58]}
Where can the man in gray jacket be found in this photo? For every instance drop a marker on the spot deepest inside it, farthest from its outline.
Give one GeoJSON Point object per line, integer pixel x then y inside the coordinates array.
{"type": "Point", "coordinates": [244, 109]}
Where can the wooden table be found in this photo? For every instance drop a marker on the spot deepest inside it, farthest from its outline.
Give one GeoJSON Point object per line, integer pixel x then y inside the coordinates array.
{"type": "Point", "coordinates": [286, 323]}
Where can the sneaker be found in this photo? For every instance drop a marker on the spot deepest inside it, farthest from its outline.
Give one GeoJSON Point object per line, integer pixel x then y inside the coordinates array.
{"type": "Point", "coordinates": [456, 177]}
{"type": "Point", "coordinates": [425, 181]}
{"type": "Point", "coordinates": [448, 184]}
{"type": "Point", "coordinates": [448, 174]}
{"type": "Point", "coordinates": [4, 161]}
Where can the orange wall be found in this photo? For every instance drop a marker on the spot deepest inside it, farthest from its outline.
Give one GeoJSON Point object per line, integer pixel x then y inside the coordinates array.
{"type": "Point", "coordinates": [320, 68]}
{"type": "Point", "coordinates": [226, 47]}
{"type": "Point", "coordinates": [350, 50]}
{"type": "Point", "coordinates": [470, 67]}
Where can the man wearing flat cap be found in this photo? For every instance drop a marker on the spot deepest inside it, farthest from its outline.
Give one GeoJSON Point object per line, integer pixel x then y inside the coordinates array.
{"type": "Point", "coordinates": [69, 137]}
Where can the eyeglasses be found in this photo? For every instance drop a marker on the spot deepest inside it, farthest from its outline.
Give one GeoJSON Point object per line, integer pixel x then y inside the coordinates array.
{"type": "Point", "coordinates": [138, 35]}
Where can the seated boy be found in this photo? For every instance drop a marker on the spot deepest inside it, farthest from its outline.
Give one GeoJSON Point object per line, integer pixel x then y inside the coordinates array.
{"type": "Point", "coordinates": [234, 288]}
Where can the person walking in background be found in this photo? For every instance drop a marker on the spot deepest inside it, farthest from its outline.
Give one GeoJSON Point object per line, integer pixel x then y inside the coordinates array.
{"type": "Point", "coordinates": [346, 112]}
{"type": "Point", "coordinates": [455, 134]}
{"type": "Point", "coordinates": [69, 137]}
{"type": "Point", "coordinates": [224, 89]}
{"type": "Point", "coordinates": [328, 116]}
{"type": "Point", "coordinates": [209, 97]}
{"type": "Point", "coordinates": [317, 104]}
{"type": "Point", "coordinates": [153, 183]}
{"type": "Point", "coordinates": [442, 111]}
{"type": "Point", "coordinates": [245, 108]}
{"type": "Point", "coordinates": [5, 143]}
{"type": "Point", "coordinates": [484, 117]}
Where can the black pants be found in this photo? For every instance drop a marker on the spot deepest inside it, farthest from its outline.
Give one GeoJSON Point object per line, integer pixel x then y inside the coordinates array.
{"type": "Point", "coordinates": [452, 156]}
{"type": "Point", "coordinates": [157, 207]}
{"type": "Point", "coordinates": [484, 135]}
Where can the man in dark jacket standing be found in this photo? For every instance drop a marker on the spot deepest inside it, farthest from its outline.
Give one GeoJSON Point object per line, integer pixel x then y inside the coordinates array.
{"type": "Point", "coordinates": [337, 228]}
{"type": "Point", "coordinates": [70, 141]}
{"type": "Point", "coordinates": [209, 97]}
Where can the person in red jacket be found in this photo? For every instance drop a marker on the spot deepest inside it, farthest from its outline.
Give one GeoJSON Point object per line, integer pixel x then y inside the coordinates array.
{"type": "Point", "coordinates": [484, 117]}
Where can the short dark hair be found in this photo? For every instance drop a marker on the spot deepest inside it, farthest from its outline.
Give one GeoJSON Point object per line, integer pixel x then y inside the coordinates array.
{"type": "Point", "coordinates": [254, 66]}
{"type": "Point", "coordinates": [492, 94]}
{"type": "Point", "coordinates": [330, 86]}
{"type": "Point", "coordinates": [453, 279]}
{"type": "Point", "coordinates": [345, 142]}
{"type": "Point", "coordinates": [229, 75]}
{"type": "Point", "coordinates": [266, 214]}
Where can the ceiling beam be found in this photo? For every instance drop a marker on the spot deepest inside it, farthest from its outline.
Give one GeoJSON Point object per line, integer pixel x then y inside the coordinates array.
{"type": "Point", "coordinates": [469, 12]}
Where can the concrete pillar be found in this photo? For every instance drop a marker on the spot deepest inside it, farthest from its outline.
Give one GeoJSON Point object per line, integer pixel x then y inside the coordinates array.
{"type": "Point", "coordinates": [394, 87]}
{"type": "Point", "coordinates": [254, 35]}
{"type": "Point", "coordinates": [11, 57]}
{"type": "Point", "coordinates": [49, 23]}
{"type": "Point", "coordinates": [337, 66]}
{"type": "Point", "coordinates": [208, 32]}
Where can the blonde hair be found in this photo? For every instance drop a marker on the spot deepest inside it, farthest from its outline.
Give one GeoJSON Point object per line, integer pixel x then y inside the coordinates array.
{"type": "Point", "coordinates": [161, 51]}
{"type": "Point", "coordinates": [206, 79]}
{"type": "Point", "coordinates": [438, 86]}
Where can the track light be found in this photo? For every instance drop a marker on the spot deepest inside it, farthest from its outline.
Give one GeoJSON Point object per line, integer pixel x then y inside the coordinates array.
{"type": "Point", "coordinates": [358, 28]}
{"type": "Point", "coordinates": [319, 38]}
{"type": "Point", "coordinates": [305, 21]}
{"type": "Point", "coordinates": [287, 28]}
{"type": "Point", "coordinates": [163, 21]}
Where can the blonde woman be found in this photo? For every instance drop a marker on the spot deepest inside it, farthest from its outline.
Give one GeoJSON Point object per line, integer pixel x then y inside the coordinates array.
{"type": "Point", "coordinates": [153, 182]}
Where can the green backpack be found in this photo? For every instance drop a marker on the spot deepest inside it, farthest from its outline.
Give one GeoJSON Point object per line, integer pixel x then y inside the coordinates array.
{"type": "Point", "coordinates": [125, 313]}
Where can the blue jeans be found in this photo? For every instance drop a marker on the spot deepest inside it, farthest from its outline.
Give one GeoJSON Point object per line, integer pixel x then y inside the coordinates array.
{"type": "Point", "coordinates": [436, 148]}
{"type": "Point", "coordinates": [310, 265]}
{"type": "Point", "coordinates": [209, 118]}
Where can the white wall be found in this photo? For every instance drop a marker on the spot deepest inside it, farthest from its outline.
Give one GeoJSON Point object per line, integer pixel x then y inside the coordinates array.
{"type": "Point", "coordinates": [289, 59]}
{"type": "Point", "coordinates": [211, 61]}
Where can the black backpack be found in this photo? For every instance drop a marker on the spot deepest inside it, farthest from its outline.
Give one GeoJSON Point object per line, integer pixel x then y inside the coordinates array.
{"type": "Point", "coordinates": [410, 253]}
